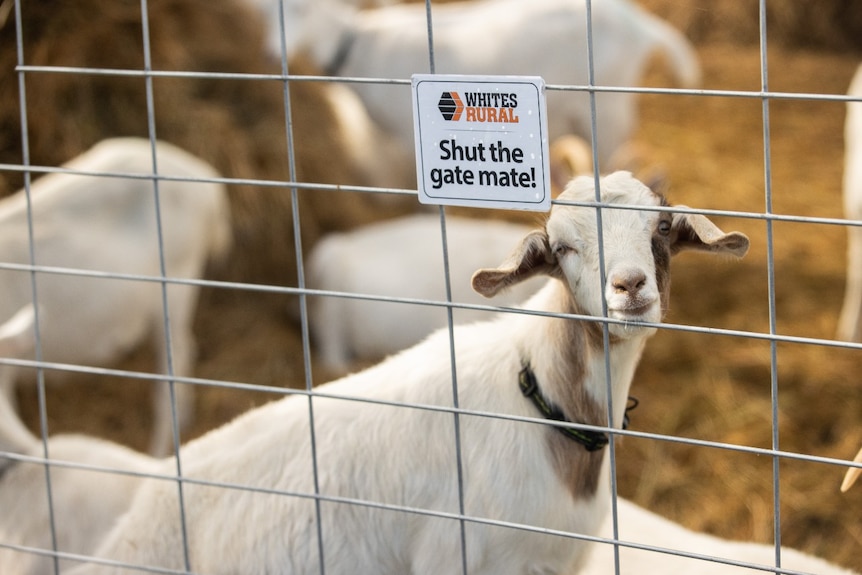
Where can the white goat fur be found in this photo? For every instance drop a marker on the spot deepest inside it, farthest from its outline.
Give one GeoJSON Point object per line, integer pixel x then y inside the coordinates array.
{"type": "Point", "coordinates": [270, 10]}
{"type": "Point", "coordinates": [546, 38]}
{"type": "Point", "coordinates": [404, 258]}
{"type": "Point", "coordinates": [85, 503]}
{"type": "Point", "coordinates": [403, 456]}
{"type": "Point", "coordinates": [850, 322]}
{"type": "Point", "coordinates": [108, 224]}
{"type": "Point", "coordinates": [639, 526]}
{"type": "Point", "coordinates": [16, 340]}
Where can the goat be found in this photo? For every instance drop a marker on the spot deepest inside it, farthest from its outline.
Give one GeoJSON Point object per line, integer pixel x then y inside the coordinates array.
{"type": "Point", "coordinates": [384, 476]}
{"type": "Point", "coordinates": [642, 527]}
{"type": "Point", "coordinates": [97, 221]}
{"type": "Point", "coordinates": [400, 257]}
{"type": "Point", "coordinates": [850, 320]}
{"type": "Point", "coordinates": [16, 340]}
{"type": "Point", "coordinates": [545, 38]}
{"type": "Point", "coordinates": [85, 502]}
{"type": "Point", "coordinates": [270, 10]}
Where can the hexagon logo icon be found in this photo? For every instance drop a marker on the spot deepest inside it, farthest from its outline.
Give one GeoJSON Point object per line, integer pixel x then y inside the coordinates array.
{"type": "Point", "coordinates": [451, 106]}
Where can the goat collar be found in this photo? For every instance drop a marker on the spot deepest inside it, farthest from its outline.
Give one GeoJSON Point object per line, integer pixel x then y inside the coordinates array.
{"type": "Point", "coordinates": [591, 440]}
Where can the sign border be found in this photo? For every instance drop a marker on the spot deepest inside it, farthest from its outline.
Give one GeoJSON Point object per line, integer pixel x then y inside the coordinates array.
{"type": "Point", "coordinates": [541, 204]}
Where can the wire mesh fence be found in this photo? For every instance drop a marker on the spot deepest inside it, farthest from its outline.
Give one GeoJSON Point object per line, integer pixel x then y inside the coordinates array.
{"type": "Point", "coordinates": [749, 406]}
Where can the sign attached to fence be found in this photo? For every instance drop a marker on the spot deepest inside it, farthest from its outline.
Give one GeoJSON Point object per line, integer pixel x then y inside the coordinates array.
{"type": "Point", "coordinates": [481, 141]}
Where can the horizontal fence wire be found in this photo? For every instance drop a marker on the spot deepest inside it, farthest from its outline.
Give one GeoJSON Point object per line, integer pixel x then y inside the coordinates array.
{"type": "Point", "coordinates": [597, 88]}
{"type": "Point", "coordinates": [773, 337]}
{"type": "Point", "coordinates": [238, 385]}
{"type": "Point", "coordinates": [286, 290]}
{"type": "Point", "coordinates": [311, 186]}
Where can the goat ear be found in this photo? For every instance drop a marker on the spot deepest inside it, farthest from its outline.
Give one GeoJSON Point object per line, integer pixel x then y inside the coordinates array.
{"type": "Point", "coordinates": [532, 257]}
{"type": "Point", "coordinates": [697, 232]}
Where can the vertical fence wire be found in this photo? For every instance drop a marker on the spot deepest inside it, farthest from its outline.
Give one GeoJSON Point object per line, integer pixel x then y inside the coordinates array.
{"type": "Point", "coordinates": [450, 323]}
{"type": "Point", "coordinates": [151, 129]}
{"type": "Point", "coordinates": [300, 271]}
{"type": "Point", "coordinates": [606, 336]}
{"type": "Point", "coordinates": [40, 373]}
{"type": "Point", "coordinates": [770, 271]}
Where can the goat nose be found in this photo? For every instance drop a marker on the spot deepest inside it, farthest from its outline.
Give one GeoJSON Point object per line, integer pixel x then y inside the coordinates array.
{"type": "Point", "coordinates": [629, 282]}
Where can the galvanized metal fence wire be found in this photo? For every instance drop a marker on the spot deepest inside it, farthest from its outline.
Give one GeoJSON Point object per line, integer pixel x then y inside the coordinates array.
{"type": "Point", "coordinates": [772, 337]}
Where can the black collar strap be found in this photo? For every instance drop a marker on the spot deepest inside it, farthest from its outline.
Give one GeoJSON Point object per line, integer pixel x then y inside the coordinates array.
{"type": "Point", "coordinates": [591, 440]}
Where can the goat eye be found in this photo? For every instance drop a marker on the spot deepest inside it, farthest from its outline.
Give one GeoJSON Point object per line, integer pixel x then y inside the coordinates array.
{"type": "Point", "coordinates": [560, 249]}
{"type": "Point", "coordinates": [664, 227]}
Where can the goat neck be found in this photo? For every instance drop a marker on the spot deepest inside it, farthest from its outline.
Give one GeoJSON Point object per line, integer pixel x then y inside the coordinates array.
{"type": "Point", "coordinates": [571, 371]}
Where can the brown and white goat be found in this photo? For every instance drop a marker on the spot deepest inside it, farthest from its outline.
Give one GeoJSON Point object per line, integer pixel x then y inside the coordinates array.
{"type": "Point", "coordinates": [385, 476]}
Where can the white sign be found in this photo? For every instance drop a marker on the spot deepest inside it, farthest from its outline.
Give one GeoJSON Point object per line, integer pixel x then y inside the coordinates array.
{"type": "Point", "coordinates": [481, 141]}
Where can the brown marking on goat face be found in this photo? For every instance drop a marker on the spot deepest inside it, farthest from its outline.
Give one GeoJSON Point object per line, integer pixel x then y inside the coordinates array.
{"type": "Point", "coordinates": [661, 254]}
{"type": "Point", "coordinates": [577, 341]}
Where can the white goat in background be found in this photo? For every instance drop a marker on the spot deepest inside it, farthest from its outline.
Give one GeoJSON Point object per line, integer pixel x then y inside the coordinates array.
{"type": "Point", "coordinates": [16, 340]}
{"type": "Point", "coordinates": [546, 38]}
{"type": "Point", "coordinates": [104, 224]}
{"type": "Point", "coordinates": [639, 526]}
{"type": "Point", "coordinates": [270, 11]}
{"type": "Point", "coordinates": [84, 503]}
{"type": "Point", "coordinates": [402, 257]}
{"type": "Point", "coordinates": [373, 452]}
{"type": "Point", "coordinates": [850, 322]}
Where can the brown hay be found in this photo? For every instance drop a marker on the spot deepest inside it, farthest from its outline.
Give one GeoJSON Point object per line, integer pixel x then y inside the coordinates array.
{"type": "Point", "coordinates": [819, 24]}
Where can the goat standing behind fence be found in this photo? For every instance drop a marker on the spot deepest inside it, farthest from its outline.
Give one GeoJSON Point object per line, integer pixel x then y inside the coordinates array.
{"type": "Point", "coordinates": [257, 511]}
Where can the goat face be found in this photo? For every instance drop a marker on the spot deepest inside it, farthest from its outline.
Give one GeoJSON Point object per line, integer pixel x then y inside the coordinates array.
{"type": "Point", "coordinates": [637, 248]}
{"type": "Point", "coordinates": [635, 255]}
